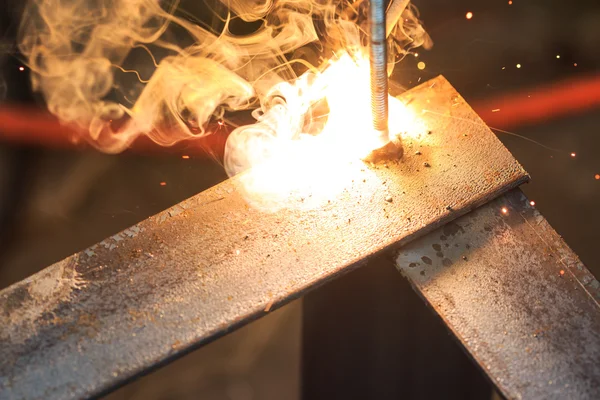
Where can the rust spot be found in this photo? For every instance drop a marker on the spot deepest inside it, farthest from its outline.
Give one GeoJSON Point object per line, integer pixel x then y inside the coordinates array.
{"type": "Point", "coordinates": [426, 260]}
{"type": "Point", "coordinates": [15, 299]}
{"type": "Point", "coordinates": [452, 229]}
{"type": "Point", "coordinates": [436, 247]}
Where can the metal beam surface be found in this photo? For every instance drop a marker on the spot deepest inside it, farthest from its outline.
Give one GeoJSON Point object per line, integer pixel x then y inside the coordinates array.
{"type": "Point", "coordinates": [210, 264]}
{"type": "Point", "coordinates": [516, 296]}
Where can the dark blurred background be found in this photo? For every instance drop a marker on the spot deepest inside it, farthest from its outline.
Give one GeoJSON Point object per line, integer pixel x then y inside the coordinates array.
{"type": "Point", "coordinates": [530, 67]}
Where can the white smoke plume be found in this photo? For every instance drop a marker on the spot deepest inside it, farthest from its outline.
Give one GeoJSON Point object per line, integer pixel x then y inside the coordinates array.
{"type": "Point", "coordinates": [81, 57]}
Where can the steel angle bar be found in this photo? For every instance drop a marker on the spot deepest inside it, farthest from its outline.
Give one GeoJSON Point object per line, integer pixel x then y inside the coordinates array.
{"type": "Point", "coordinates": [86, 325]}
{"type": "Point", "coordinates": [516, 296]}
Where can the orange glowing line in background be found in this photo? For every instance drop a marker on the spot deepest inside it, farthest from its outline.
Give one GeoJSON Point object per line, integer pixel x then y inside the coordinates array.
{"type": "Point", "coordinates": [541, 104]}
{"type": "Point", "coordinates": [32, 126]}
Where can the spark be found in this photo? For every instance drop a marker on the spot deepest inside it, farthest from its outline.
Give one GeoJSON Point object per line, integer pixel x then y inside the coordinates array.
{"type": "Point", "coordinates": [469, 15]}
{"type": "Point", "coordinates": [509, 2]}
{"type": "Point", "coordinates": [185, 157]}
{"type": "Point", "coordinates": [504, 210]}
{"type": "Point", "coordinates": [574, 64]}
{"type": "Point", "coordinates": [421, 65]}
{"type": "Point", "coordinates": [496, 110]}
{"type": "Point", "coordinates": [21, 69]}
{"type": "Point", "coordinates": [518, 65]}
{"type": "Point", "coordinates": [532, 203]}
{"type": "Point", "coordinates": [597, 177]}
{"type": "Point", "coordinates": [503, 67]}
{"type": "Point", "coordinates": [573, 155]}
{"type": "Point", "coordinates": [163, 184]}
{"type": "Point", "coordinates": [562, 272]}
{"type": "Point", "coordinates": [416, 55]}
{"type": "Point", "coordinates": [558, 56]}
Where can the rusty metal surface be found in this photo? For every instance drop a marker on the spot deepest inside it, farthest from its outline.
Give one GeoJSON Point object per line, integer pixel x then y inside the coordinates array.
{"type": "Point", "coordinates": [517, 298]}
{"type": "Point", "coordinates": [208, 265]}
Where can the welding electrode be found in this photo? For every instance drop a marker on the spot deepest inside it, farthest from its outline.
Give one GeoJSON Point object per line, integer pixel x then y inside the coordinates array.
{"type": "Point", "coordinates": [379, 78]}
{"type": "Point", "coordinates": [391, 147]}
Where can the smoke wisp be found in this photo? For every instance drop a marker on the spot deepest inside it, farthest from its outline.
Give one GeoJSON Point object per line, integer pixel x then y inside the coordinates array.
{"type": "Point", "coordinates": [78, 51]}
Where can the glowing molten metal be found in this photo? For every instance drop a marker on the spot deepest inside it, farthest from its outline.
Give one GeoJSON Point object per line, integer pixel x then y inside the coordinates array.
{"type": "Point", "coordinates": [300, 157]}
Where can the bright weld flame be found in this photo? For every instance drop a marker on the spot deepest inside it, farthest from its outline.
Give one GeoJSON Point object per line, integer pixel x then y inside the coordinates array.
{"type": "Point", "coordinates": [302, 163]}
